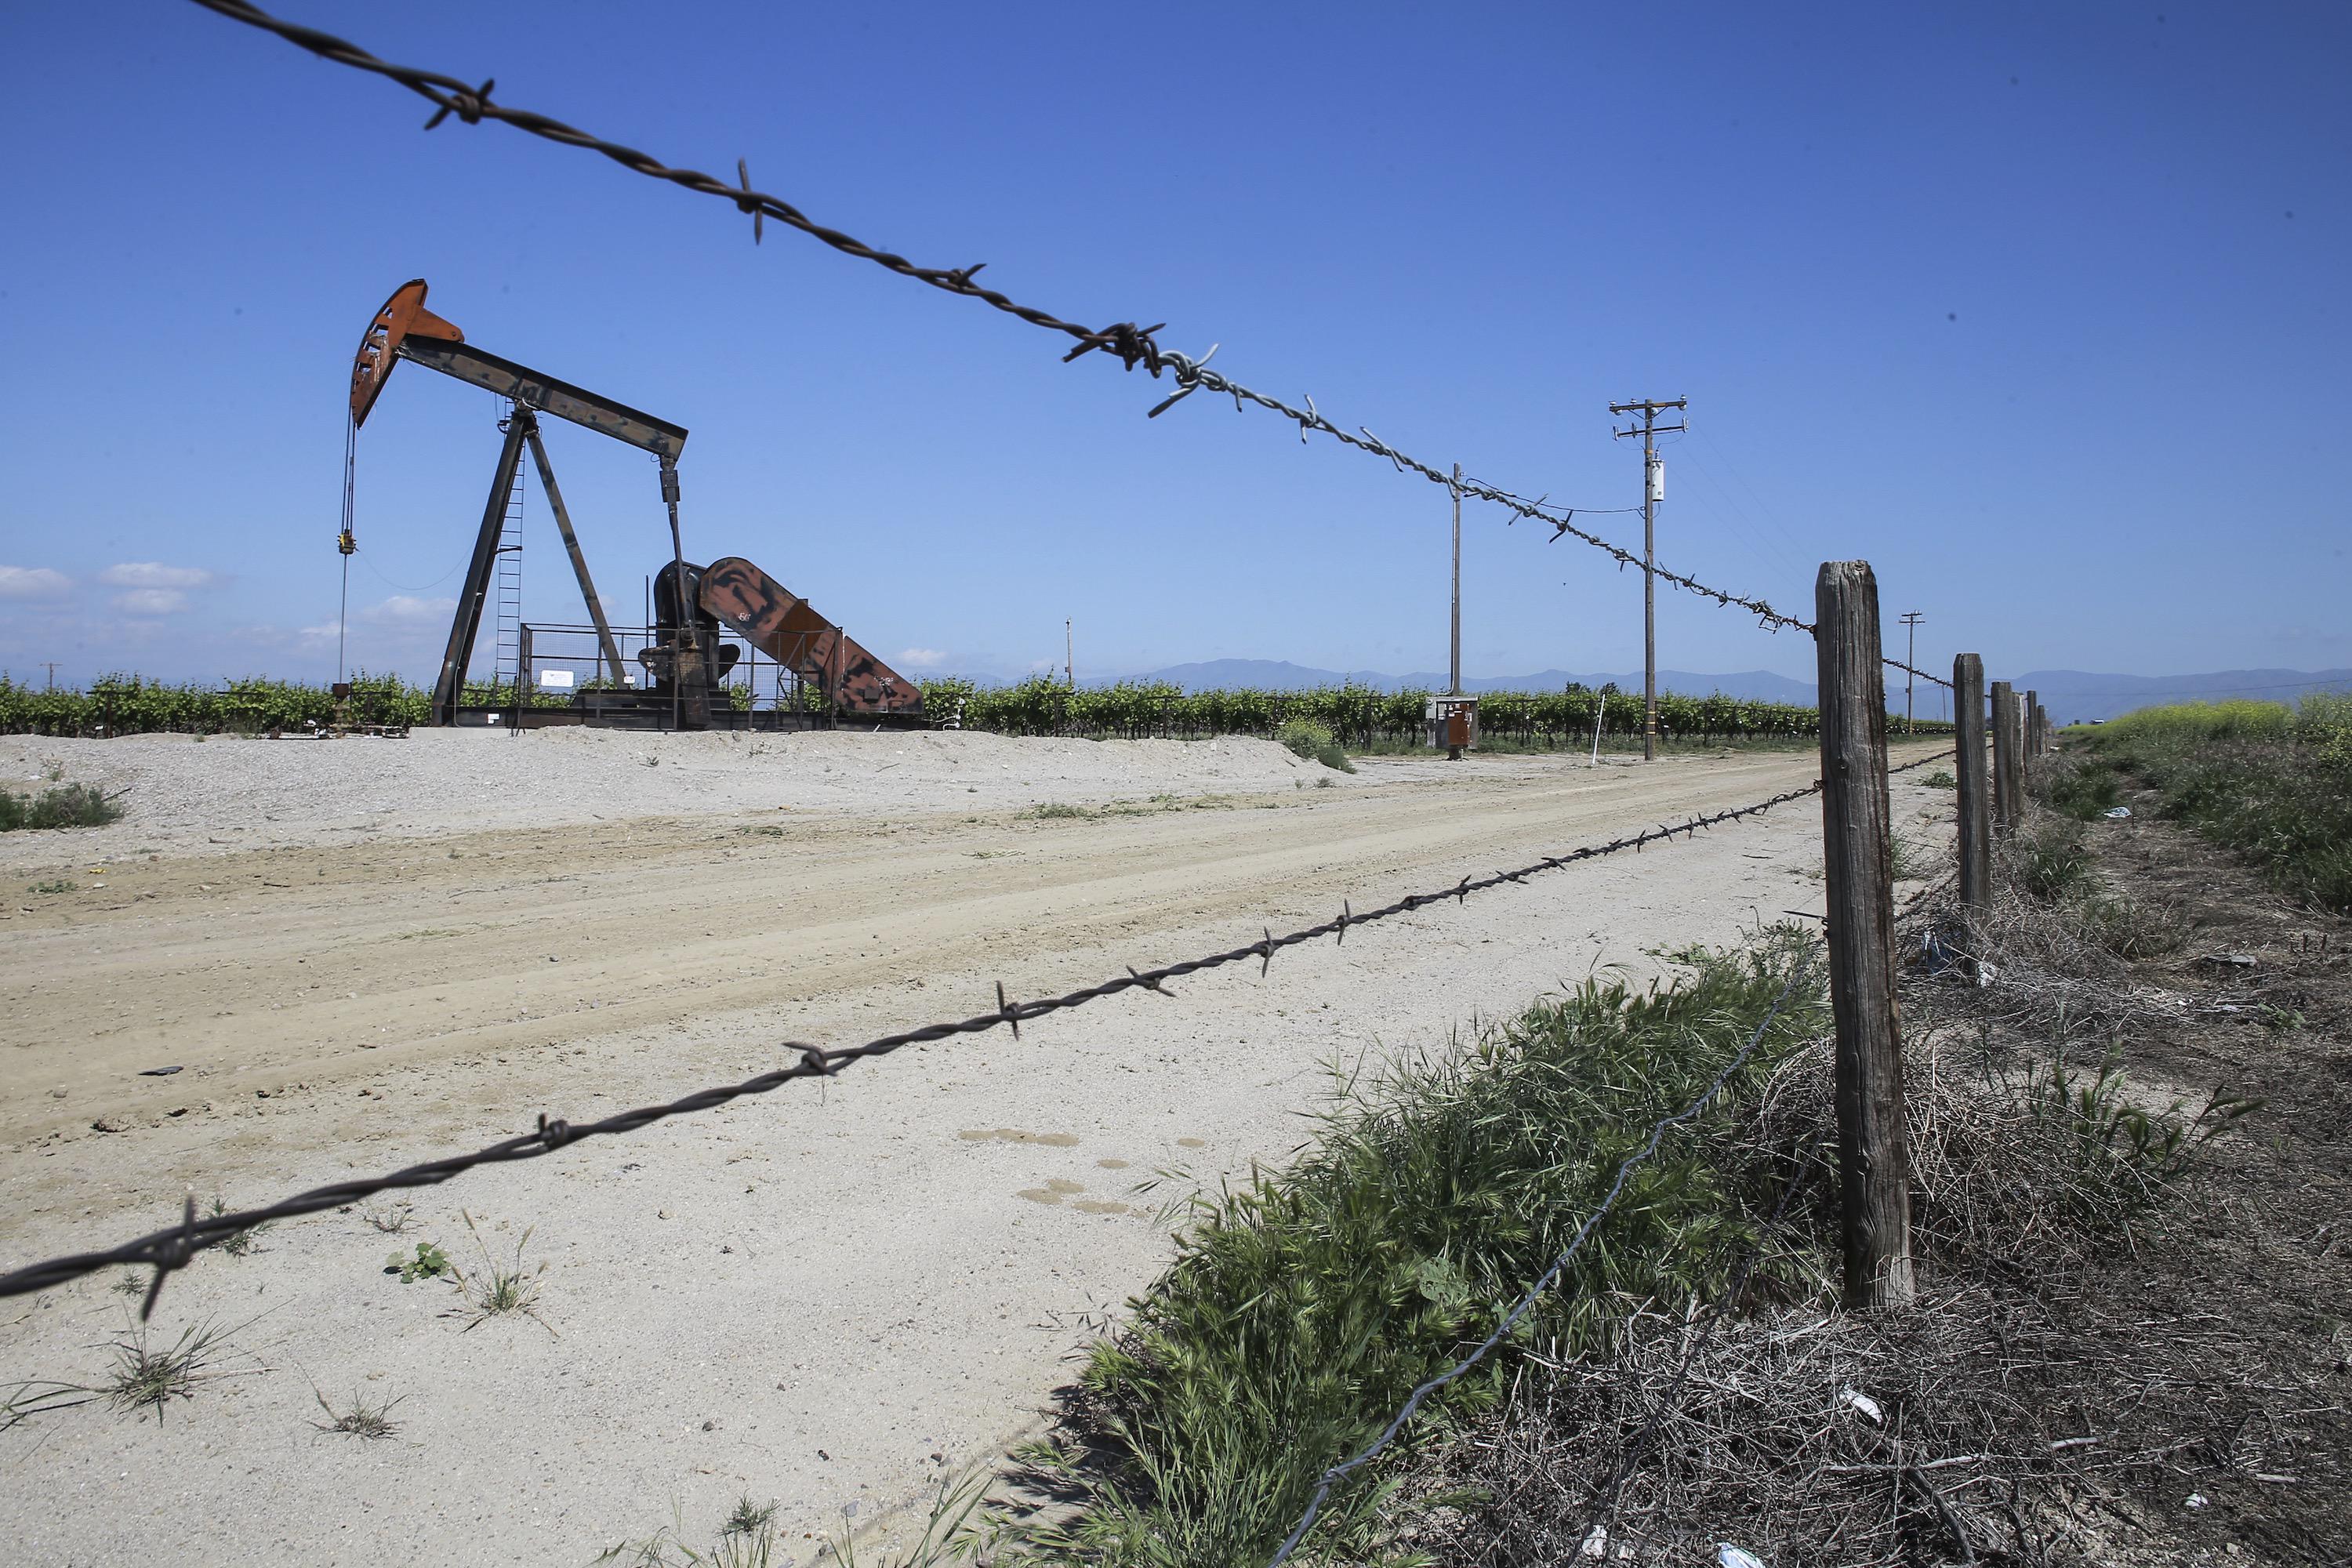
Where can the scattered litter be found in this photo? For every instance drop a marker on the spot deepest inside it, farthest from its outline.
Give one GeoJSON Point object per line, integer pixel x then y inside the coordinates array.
{"type": "Point", "coordinates": [2196, 1499]}
{"type": "Point", "coordinates": [1986, 975]}
{"type": "Point", "coordinates": [2118, 813]}
{"type": "Point", "coordinates": [2230, 960]}
{"type": "Point", "coordinates": [1863, 1404]}
{"type": "Point", "coordinates": [1729, 1556]}
{"type": "Point", "coordinates": [157, 1072]}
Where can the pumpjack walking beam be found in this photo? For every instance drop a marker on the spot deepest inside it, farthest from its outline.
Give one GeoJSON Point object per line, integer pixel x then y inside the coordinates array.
{"type": "Point", "coordinates": [404, 330]}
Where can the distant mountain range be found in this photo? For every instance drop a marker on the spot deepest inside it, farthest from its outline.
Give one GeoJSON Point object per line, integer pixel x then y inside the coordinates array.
{"type": "Point", "coordinates": [2070, 695]}
{"type": "Point", "coordinates": [1266, 673]}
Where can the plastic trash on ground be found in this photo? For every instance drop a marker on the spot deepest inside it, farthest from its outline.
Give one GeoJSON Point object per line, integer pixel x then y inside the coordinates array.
{"type": "Point", "coordinates": [1726, 1555]}
{"type": "Point", "coordinates": [2118, 813]}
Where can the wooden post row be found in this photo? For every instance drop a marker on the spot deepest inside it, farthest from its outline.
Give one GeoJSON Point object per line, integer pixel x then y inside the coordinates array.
{"type": "Point", "coordinates": [1857, 857]}
{"type": "Point", "coordinates": [1976, 801]}
{"type": "Point", "coordinates": [2008, 775]}
{"type": "Point", "coordinates": [2032, 725]}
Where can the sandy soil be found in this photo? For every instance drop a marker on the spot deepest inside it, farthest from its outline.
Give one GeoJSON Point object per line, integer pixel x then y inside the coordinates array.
{"type": "Point", "coordinates": [832, 1297]}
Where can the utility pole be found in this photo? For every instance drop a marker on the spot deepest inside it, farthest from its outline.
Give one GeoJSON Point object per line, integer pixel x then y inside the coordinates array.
{"type": "Point", "coordinates": [1455, 668]}
{"type": "Point", "coordinates": [51, 666]}
{"type": "Point", "coordinates": [1911, 619]}
{"type": "Point", "coordinates": [1069, 655]}
{"type": "Point", "coordinates": [1654, 491]}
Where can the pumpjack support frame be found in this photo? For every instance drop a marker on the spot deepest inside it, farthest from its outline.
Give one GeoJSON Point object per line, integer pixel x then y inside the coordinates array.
{"type": "Point", "coordinates": [691, 662]}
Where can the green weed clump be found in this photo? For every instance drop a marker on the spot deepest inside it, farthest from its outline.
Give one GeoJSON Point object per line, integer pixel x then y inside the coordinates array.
{"type": "Point", "coordinates": [1308, 738]}
{"type": "Point", "coordinates": [2272, 782]}
{"type": "Point", "coordinates": [63, 806]}
{"type": "Point", "coordinates": [1305, 1305]}
{"type": "Point", "coordinates": [2122, 1156]}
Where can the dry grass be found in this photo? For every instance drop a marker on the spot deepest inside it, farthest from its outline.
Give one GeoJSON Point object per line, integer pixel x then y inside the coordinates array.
{"type": "Point", "coordinates": [366, 1419]}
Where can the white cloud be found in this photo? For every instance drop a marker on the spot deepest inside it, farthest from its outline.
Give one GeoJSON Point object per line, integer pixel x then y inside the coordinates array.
{"type": "Point", "coordinates": [32, 582]}
{"type": "Point", "coordinates": [407, 610]}
{"type": "Point", "coordinates": [151, 602]}
{"type": "Point", "coordinates": [921, 657]}
{"type": "Point", "coordinates": [156, 574]}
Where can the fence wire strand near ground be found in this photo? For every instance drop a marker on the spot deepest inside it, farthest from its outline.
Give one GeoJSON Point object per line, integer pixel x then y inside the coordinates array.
{"type": "Point", "coordinates": [1525, 1304]}
{"type": "Point", "coordinates": [168, 1251]}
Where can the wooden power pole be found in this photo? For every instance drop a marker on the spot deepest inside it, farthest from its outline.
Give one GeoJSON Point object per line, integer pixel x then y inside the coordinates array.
{"type": "Point", "coordinates": [1858, 864]}
{"type": "Point", "coordinates": [1454, 644]}
{"type": "Point", "coordinates": [1911, 619]}
{"type": "Point", "coordinates": [1654, 491]}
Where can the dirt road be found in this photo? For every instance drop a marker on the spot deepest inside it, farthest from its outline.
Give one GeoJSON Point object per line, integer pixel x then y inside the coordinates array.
{"type": "Point", "coordinates": [829, 1296]}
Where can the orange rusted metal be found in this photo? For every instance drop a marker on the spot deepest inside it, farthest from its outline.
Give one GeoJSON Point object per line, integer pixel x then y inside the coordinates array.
{"type": "Point", "coordinates": [404, 315]}
{"type": "Point", "coordinates": [781, 625]}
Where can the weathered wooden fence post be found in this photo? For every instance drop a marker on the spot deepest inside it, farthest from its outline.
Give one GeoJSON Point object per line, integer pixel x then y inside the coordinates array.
{"type": "Point", "coordinates": [2008, 780]}
{"type": "Point", "coordinates": [1976, 802]}
{"type": "Point", "coordinates": [1857, 859]}
{"type": "Point", "coordinates": [2033, 711]}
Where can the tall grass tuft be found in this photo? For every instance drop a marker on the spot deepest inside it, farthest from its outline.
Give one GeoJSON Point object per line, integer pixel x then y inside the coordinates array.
{"type": "Point", "coordinates": [1306, 1304]}
{"type": "Point", "coordinates": [2274, 784]}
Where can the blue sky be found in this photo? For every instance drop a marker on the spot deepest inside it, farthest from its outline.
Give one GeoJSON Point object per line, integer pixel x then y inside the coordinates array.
{"type": "Point", "coordinates": [2041, 309]}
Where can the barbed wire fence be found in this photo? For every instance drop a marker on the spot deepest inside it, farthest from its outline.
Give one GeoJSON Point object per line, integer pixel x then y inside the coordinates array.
{"type": "Point", "coordinates": [1131, 345]}
{"type": "Point", "coordinates": [168, 1251]}
{"type": "Point", "coordinates": [1850, 764]}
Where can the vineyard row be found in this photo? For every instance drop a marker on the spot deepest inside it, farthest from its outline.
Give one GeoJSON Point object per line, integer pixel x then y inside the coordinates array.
{"type": "Point", "coordinates": [1357, 715]}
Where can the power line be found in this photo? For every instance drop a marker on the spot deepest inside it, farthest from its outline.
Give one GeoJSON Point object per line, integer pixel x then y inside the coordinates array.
{"type": "Point", "coordinates": [1131, 345]}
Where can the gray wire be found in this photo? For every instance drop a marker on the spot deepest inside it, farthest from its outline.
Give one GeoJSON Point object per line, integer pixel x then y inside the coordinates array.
{"type": "Point", "coordinates": [1341, 1471]}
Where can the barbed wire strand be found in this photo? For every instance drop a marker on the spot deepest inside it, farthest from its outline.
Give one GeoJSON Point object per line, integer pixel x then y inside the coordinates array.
{"type": "Point", "coordinates": [1594, 1541]}
{"type": "Point", "coordinates": [1341, 1471]}
{"type": "Point", "coordinates": [1130, 345]}
{"type": "Point", "coordinates": [169, 1250]}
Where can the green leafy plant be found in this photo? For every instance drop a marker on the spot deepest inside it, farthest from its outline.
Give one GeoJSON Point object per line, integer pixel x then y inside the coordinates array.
{"type": "Point", "coordinates": [62, 805]}
{"type": "Point", "coordinates": [2279, 1020]}
{"type": "Point", "coordinates": [1304, 1303]}
{"type": "Point", "coordinates": [54, 885]}
{"type": "Point", "coordinates": [2124, 1154]}
{"type": "Point", "coordinates": [1941, 779]}
{"type": "Point", "coordinates": [427, 1262]}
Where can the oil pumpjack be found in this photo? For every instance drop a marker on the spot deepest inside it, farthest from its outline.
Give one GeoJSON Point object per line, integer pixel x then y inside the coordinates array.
{"type": "Point", "coordinates": [686, 661]}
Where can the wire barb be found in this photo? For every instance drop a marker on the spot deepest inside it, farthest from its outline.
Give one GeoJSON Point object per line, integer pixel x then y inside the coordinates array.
{"type": "Point", "coordinates": [171, 1249]}
{"type": "Point", "coordinates": [172, 1254]}
{"type": "Point", "coordinates": [749, 202]}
